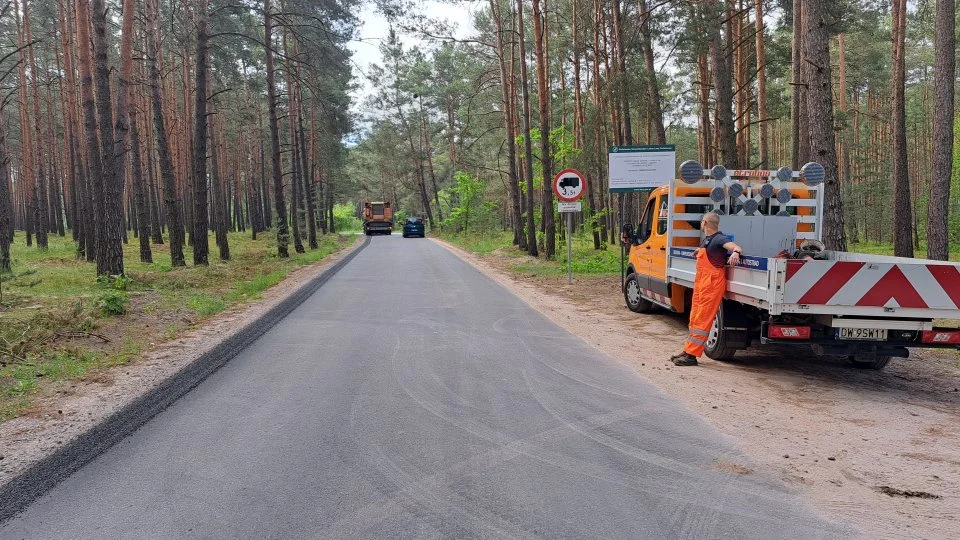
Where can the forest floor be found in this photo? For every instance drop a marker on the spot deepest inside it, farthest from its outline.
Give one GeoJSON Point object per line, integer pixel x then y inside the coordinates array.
{"type": "Point", "coordinates": [59, 324]}
{"type": "Point", "coordinates": [876, 449]}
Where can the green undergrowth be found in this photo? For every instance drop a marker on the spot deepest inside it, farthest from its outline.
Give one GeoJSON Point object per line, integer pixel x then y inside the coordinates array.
{"type": "Point", "coordinates": [58, 322]}
{"type": "Point", "coordinates": [481, 243]}
{"type": "Point", "coordinates": [919, 252]}
{"type": "Point", "coordinates": [585, 259]}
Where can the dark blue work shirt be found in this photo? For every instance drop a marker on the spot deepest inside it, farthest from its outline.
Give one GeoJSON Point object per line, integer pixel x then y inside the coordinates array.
{"type": "Point", "coordinates": [716, 254]}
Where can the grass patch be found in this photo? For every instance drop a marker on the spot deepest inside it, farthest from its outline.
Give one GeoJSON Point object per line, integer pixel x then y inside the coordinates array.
{"type": "Point", "coordinates": [481, 243]}
{"type": "Point", "coordinates": [874, 248]}
{"type": "Point", "coordinates": [59, 322]}
{"type": "Point", "coordinates": [585, 259]}
{"type": "Point", "coordinates": [206, 306]}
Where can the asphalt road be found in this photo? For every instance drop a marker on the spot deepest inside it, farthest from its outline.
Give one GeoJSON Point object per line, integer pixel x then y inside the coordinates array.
{"type": "Point", "coordinates": [411, 396]}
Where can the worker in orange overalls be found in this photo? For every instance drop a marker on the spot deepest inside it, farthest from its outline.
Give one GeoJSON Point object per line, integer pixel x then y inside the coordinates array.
{"type": "Point", "coordinates": [708, 286]}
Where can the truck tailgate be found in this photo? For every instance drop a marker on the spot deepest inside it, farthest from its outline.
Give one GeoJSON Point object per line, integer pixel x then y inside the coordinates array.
{"type": "Point", "coordinates": [749, 283]}
{"type": "Point", "coordinates": [869, 285]}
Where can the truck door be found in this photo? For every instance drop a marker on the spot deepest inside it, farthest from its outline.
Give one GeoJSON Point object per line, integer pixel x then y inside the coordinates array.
{"type": "Point", "coordinates": [642, 249]}
{"type": "Point", "coordinates": [658, 247]}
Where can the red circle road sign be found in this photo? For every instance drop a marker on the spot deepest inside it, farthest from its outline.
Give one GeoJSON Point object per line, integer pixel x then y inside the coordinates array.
{"type": "Point", "coordinates": [569, 185]}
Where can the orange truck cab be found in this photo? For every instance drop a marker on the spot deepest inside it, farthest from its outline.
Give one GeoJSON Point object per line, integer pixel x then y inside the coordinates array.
{"type": "Point", "coordinates": [646, 282]}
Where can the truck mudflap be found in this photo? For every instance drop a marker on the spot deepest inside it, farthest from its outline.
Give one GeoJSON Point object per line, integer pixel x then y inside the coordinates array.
{"type": "Point", "coordinates": [917, 288]}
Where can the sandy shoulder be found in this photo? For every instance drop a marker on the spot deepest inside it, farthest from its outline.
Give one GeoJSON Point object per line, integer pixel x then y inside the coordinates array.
{"type": "Point", "coordinates": [867, 447]}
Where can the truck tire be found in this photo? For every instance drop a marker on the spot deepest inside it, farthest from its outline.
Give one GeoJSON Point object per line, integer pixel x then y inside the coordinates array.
{"type": "Point", "coordinates": [631, 294]}
{"type": "Point", "coordinates": [876, 363]}
{"type": "Point", "coordinates": [718, 345]}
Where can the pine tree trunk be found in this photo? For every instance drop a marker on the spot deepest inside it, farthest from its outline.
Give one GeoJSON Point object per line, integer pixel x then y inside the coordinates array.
{"type": "Point", "coordinates": [112, 138]}
{"type": "Point", "coordinates": [175, 227]}
{"type": "Point", "coordinates": [220, 209]}
{"type": "Point", "coordinates": [156, 220]}
{"type": "Point", "coordinates": [508, 96]}
{"type": "Point", "coordinates": [283, 238]}
{"type": "Point", "coordinates": [528, 146]}
{"type": "Point", "coordinates": [308, 186]}
{"type": "Point", "coordinates": [433, 176]}
{"type": "Point", "coordinates": [94, 157]}
{"type": "Point", "coordinates": [139, 191]}
{"type": "Point", "coordinates": [846, 182]}
{"type": "Point", "coordinates": [944, 82]}
{"type": "Point", "coordinates": [40, 198]}
{"type": "Point", "coordinates": [579, 117]}
{"type": "Point", "coordinates": [201, 210]}
{"type": "Point", "coordinates": [655, 110]}
{"type": "Point", "coordinates": [705, 125]}
{"type": "Point", "coordinates": [28, 171]}
{"type": "Point", "coordinates": [823, 148]}
{"type": "Point", "coordinates": [620, 65]}
{"type": "Point", "coordinates": [70, 132]}
{"type": "Point", "coordinates": [6, 207]}
{"type": "Point", "coordinates": [546, 155]}
{"type": "Point", "coordinates": [295, 211]}
{"type": "Point", "coordinates": [902, 211]}
{"type": "Point", "coordinates": [764, 144]}
{"type": "Point", "coordinates": [719, 55]}
{"type": "Point", "coordinates": [798, 133]}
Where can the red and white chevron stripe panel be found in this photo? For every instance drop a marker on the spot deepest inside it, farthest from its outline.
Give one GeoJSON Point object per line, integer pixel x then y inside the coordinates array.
{"type": "Point", "coordinates": [656, 297]}
{"type": "Point", "coordinates": [891, 285]}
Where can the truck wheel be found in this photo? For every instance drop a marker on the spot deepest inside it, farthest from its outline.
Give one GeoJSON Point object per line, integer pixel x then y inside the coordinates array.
{"type": "Point", "coordinates": [875, 363]}
{"type": "Point", "coordinates": [631, 293]}
{"type": "Point", "coordinates": [717, 346]}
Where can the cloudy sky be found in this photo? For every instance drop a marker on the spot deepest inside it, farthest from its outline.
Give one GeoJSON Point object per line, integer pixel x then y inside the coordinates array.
{"type": "Point", "coordinates": [374, 29]}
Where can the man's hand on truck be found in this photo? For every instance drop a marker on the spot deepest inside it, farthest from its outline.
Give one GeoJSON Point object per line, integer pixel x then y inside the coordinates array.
{"type": "Point", "coordinates": [734, 257]}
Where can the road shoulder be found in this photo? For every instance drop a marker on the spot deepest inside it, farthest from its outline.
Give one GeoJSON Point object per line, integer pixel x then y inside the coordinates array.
{"type": "Point", "coordinates": [878, 450]}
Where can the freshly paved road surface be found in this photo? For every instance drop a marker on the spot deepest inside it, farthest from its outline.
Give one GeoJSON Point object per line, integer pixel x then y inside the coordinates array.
{"type": "Point", "coordinates": [411, 396]}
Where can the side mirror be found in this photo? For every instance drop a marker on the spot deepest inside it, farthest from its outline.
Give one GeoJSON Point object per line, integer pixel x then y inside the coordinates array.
{"type": "Point", "coordinates": [626, 234]}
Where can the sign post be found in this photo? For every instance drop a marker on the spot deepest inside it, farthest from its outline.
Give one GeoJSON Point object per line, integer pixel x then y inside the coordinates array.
{"type": "Point", "coordinates": [634, 169]}
{"type": "Point", "coordinates": [569, 185]}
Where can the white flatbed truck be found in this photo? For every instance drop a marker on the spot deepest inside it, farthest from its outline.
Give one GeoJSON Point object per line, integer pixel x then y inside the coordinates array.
{"type": "Point", "coordinates": [868, 308]}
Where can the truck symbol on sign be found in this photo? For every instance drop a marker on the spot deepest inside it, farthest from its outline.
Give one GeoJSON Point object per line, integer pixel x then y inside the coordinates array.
{"type": "Point", "coordinates": [569, 185]}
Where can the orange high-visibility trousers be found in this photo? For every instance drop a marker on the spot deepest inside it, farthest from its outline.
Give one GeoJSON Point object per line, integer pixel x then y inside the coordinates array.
{"type": "Point", "coordinates": [708, 288]}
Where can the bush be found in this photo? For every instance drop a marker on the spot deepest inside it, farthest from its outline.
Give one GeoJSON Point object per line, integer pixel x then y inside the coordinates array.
{"type": "Point", "coordinates": [345, 218]}
{"type": "Point", "coordinates": [112, 302]}
{"type": "Point", "coordinates": [119, 283]}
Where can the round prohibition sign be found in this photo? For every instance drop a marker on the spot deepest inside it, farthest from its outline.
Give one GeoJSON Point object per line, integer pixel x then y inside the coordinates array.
{"type": "Point", "coordinates": [569, 185]}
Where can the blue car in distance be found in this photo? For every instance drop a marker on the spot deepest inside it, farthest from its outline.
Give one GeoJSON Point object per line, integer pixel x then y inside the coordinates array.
{"type": "Point", "coordinates": [413, 226]}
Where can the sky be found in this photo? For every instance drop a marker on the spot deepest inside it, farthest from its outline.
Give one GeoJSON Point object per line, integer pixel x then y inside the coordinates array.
{"type": "Point", "coordinates": [374, 28]}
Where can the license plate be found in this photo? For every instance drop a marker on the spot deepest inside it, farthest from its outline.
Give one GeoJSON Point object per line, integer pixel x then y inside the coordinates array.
{"type": "Point", "coordinates": [865, 334]}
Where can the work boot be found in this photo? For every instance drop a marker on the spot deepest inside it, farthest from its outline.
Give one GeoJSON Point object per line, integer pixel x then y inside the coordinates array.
{"type": "Point", "coordinates": [684, 359]}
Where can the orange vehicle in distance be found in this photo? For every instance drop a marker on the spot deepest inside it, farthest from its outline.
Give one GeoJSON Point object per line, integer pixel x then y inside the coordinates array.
{"type": "Point", "coordinates": [377, 218]}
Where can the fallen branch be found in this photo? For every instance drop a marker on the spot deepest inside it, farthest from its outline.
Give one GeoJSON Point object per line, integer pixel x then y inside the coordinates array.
{"type": "Point", "coordinates": [79, 333]}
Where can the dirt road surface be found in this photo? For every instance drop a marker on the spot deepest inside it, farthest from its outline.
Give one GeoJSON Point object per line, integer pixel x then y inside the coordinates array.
{"type": "Point", "coordinates": [879, 450]}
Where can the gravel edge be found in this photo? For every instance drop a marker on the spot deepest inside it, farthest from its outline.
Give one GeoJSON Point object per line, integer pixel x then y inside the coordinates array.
{"type": "Point", "coordinates": [30, 485]}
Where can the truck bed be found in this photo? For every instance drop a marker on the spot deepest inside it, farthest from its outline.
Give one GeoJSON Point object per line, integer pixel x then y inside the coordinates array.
{"type": "Point", "coordinates": [845, 284]}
